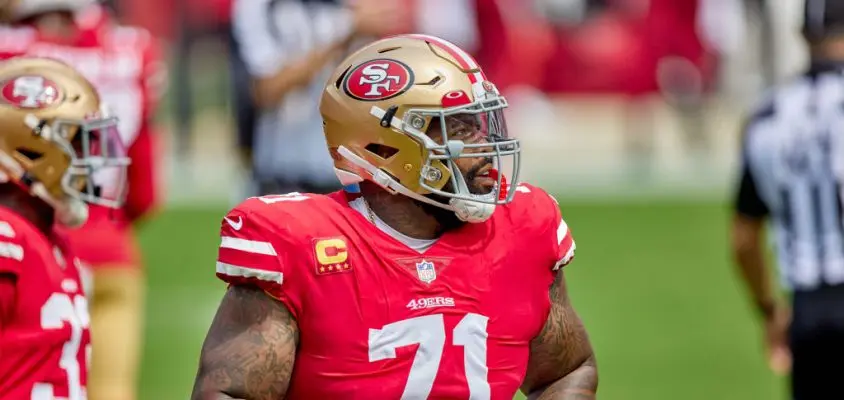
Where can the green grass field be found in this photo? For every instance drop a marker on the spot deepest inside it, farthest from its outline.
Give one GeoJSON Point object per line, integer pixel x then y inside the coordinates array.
{"type": "Point", "coordinates": [653, 284]}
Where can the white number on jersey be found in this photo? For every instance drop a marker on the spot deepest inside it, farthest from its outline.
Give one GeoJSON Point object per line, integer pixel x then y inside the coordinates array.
{"type": "Point", "coordinates": [429, 333]}
{"type": "Point", "coordinates": [58, 310]}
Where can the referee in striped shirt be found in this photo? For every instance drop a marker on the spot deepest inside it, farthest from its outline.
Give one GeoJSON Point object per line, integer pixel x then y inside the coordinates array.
{"type": "Point", "coordinates": [792, 175]}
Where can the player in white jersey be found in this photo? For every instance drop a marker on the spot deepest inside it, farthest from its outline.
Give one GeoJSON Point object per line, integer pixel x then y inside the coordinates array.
{"type": "Point", "coordinates": [791, 178]}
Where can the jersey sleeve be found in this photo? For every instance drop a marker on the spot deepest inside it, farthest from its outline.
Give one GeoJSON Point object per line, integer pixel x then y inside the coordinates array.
{"type": "Point", "coordinates": [143, 151]}
{"type": "Point", "coordinates": [141, 174]}
{"type": "Point", "coordinates": [12, 249]}
{"type": "Point", "coordinates": [549, 231]}
{"type": "Point", "coordinates": [252, 252]}
{"type": "Point", "coordinates": [155, 76]}
{"type": "Point", "coordinates": [748, 202]}
{"type": "Point", "coordinates": [562, 241]}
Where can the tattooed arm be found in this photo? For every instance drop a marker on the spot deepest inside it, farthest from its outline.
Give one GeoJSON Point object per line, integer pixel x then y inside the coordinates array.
{"type": "Point", "coordinates": [562, 364]}
{"type": "Point", "coordinates": [250, 348]}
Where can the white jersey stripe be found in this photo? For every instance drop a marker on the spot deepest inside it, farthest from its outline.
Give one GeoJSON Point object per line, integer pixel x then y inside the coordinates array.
{"type": "Point", "coordinates": [6, 230]}
{"type": "Point", "coordinates": [244, 272]}
{"type": "Point", "coordinates": [248, 246]}
{"type": "Point", "coordinates": [566, 258]}
{"type": "Point", "coordinates": [11, 250]}
{"type": "Point", "coordinates": [562, 230]}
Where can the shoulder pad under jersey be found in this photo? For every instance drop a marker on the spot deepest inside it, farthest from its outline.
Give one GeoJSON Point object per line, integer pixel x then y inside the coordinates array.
{"type": "Point", "coordinates": [536, 214]}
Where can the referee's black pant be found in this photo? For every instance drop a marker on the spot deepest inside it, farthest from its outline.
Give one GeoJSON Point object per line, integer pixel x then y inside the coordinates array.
{"type": "Point", "coordinates": [817, 344]}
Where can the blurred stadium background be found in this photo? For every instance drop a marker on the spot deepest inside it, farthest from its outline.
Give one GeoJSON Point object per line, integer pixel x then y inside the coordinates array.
{"type": "Point", "coordinates": [632, 122]}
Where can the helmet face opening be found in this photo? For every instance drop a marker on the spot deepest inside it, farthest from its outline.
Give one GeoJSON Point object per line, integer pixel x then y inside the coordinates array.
{"type": "Point", "coordinates": [98, 166]}
{"type": "Point", "coordinates": [441, 136]}
{"type": "Point", "coordinates": [475, 137]}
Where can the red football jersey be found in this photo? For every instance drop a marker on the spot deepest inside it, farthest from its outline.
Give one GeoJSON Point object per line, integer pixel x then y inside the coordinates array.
{"type": "Point", "coordinates": [124, 65]}
{"type": "Point", "coordinates": [379, 320]}
{"type": "Point", "coordinates": [44, 348]}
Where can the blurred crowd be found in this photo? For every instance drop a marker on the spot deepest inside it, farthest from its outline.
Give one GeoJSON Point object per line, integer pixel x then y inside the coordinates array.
{"type": "Point", "coordinates": [674, 51]}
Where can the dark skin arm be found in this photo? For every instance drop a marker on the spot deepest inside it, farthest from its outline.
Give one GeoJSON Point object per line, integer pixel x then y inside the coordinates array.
{"type": "Point", "coordinates": [250, 349]}
{"type": "Point", "coordinates": [371, 17]}
{"type": "Point", "coordinates": [268, 92]}
{"type": "Point", "coordinates": [562, 363]}
{"type": "Point", "coordinates": [750, 258]}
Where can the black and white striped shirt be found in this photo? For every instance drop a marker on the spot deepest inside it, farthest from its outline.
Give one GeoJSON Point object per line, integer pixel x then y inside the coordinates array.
{"type": "Point", "coordinates": [792, 172]}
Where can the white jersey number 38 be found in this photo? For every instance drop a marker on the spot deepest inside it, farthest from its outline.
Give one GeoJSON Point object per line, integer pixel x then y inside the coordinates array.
{"type": "Point", "coordinates": [59, 309]}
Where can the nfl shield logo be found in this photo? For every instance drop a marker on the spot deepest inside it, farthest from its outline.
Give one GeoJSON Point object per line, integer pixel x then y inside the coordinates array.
{"type": "Point", "coordinates": [426, 272]}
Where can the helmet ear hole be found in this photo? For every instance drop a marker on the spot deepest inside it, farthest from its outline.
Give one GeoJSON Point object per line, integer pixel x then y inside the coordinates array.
{"type": "Point", "coordinates": [382, 151]}
{"type": "Point", "coordinates": [29, 154]}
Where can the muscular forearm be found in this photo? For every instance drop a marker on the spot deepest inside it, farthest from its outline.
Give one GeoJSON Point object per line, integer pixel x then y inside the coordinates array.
{"type": "Point", "coordinates": [750, 259]}
{"type": "Point", "coordinates": [757, 278]}
{"type": "Point", "coordinates": [249, 351]}
{"type": "Point", "coordinates": [580, 384]}
{"type": "Point", "coordinates": [270, 91]}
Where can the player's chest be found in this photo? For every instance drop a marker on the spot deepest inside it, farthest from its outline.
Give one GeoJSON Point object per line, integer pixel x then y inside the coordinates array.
{"type": "Point", "coordinates": [445, 326]}
{"type": "Point", "coordinates": [378, 284]}
{"type": "Point", "coordinates": [54, 304]}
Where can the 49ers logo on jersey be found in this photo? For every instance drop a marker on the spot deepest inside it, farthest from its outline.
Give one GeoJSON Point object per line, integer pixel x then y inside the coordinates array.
{"type": "Point", "coordinates": [30, 91]}
{"type": "Point", "coordinates": [378, 80]}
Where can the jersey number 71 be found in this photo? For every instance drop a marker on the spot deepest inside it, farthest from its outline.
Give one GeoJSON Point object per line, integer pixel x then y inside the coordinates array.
{"type": "Point", "coordinates": [429, 333]}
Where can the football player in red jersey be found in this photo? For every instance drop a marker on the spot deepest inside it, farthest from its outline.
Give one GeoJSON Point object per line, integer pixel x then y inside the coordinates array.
{"type": "Point", "coordinates": [439, 281]}
{"type": "Point", "coordinates": [54, 139]}
{"type": "Point", "coordinates": [122, 62]}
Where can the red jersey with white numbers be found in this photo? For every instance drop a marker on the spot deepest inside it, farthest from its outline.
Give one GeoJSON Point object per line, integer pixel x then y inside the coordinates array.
{"type": "Point", "coordinates": [379, 320]}
{"type": "Point", "coordinates": [123, 64]}
{"type": "Point", "coordinates": [44, 347]}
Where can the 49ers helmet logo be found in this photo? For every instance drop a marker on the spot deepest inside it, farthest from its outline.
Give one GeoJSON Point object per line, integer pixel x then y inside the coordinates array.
{"type": "Point", "coordinates": [30, 91]}
{"type": "Point", "coordinates": [378, 80]}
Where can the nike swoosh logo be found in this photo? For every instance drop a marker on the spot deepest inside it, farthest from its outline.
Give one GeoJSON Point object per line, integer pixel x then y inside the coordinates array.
{"type": "Point", "coordinates": [235, 225]}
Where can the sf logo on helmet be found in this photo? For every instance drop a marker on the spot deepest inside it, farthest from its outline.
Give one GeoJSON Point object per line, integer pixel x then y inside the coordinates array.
{"type": "Point", "coordinates": [378, 80]}
{"type": "Point", "coordinates": [30, 92]}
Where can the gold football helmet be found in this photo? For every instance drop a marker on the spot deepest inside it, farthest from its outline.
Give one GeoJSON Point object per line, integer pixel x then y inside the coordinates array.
{"type": "Point", "coordinates": [401, 111]}
{"type": "Point", "coordinates": [56, 138]}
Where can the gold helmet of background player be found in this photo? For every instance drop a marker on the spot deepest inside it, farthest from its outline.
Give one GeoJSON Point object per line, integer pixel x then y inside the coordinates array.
{"type": "Point", "coordinates": [380, 102]}
{"type": "Point", "coordinates": [56, 138]}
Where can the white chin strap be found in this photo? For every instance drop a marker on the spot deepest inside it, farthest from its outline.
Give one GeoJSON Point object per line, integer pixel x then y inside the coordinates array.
{"type": "Point", "coordinates": [466, 210]}
{"type": "Point", "coordinates": [472, 211]}
{"type": "Point", "coordinates": [70, 212]}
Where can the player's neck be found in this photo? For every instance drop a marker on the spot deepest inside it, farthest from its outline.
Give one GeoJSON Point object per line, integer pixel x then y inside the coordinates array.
{"type": "Point", "coordinates": [401, 213]}
{"type": "Point", "coordinates": [58, 26]}
{"type": "Point", "coordinates": [30, 208]}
